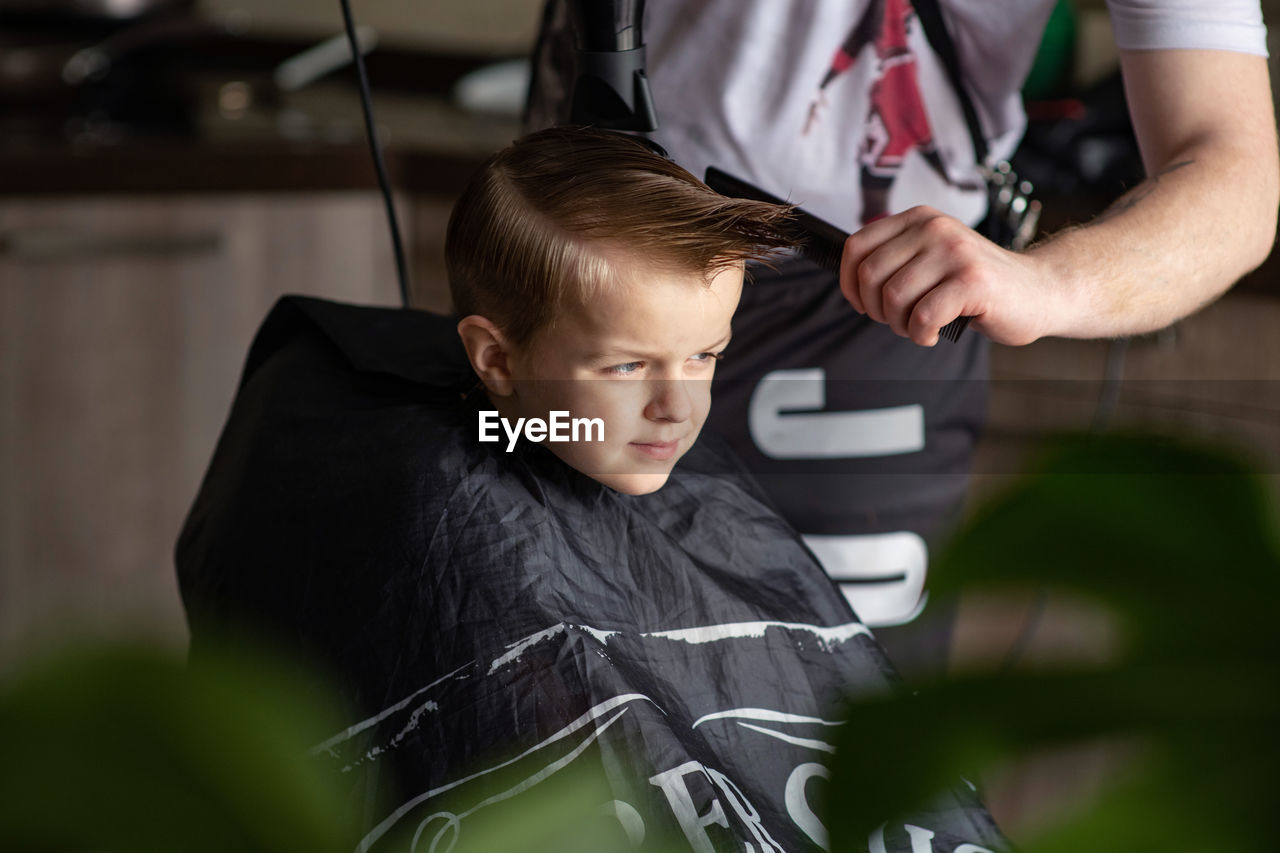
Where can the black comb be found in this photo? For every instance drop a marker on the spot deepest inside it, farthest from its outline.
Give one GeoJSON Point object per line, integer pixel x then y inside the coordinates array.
{"type": "Point", "coordinates": [819, 240]}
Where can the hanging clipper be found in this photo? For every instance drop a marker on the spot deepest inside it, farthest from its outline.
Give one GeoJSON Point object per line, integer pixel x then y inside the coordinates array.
{"type": "Point", "coordinates": [1013, 215]}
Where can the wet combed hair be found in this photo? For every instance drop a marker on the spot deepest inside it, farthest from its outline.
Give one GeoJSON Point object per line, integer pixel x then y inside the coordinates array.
{"type": "Point", "coordinates": [548, 220]}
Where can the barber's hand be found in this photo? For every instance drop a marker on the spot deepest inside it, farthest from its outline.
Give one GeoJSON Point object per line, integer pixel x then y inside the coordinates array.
{"type": "Point", "coordinates": [920, 269]}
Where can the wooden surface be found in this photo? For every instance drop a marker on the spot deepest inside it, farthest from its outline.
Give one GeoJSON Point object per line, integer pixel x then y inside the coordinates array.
{"type": "Point", "coordinates": [1214, 375]}
{"type": "Point", "coordinates": [117, 369]}
{"type": "Point", "coordinates": [480, 25]}
{"type": "Point", "coordinates": [177, 167]}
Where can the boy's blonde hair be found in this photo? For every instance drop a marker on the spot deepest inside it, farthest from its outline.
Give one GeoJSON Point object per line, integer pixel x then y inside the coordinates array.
{"type": "Point", "coordinates": [545, 221]}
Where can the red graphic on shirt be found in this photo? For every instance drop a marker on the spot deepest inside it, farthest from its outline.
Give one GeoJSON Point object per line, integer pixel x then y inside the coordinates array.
{"type": "Point", "coordinates": [896, 119]}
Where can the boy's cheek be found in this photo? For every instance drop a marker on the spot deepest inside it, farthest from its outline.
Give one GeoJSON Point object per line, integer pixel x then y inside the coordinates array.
{"type": "Point", "coordinates": [610, 400]}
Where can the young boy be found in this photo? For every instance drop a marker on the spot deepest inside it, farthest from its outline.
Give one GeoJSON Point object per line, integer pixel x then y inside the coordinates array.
{"type": "Point", "coordinates": [511, 609]}
{"type": "Point", "coordinates": [597, 278]}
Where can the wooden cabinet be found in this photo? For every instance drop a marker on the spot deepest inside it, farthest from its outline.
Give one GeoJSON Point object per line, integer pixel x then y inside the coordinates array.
{"type": "Point", "coordinates": [124, 323]}
{"type": "Point", "coordinates": [1214, 376]}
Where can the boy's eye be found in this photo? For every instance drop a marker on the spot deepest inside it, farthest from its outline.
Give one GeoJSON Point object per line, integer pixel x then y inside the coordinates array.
{"type": "Point", "coordinates": [708, 357]}
{"type": "Point", "coordinates": [624, 369]}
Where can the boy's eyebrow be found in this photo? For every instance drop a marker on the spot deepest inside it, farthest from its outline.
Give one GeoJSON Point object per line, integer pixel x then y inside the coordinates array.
{"type": "Point", "coordinates": [625, 351]}
{"type": "Point", "coordinates": [614, 353]}
{"type": "Point", "coordinates": [722, 343]}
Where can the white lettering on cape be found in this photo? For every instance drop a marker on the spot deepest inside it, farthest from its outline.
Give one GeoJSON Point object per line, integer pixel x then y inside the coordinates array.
{"type": "Point", "coordinates": [798, 808]}
{"type": "Point", "coordinates": [590, 716]}
{"type": "Point", "coordinates": [736, 630]}
{"type": "Point", "coordinates": [672, 784]}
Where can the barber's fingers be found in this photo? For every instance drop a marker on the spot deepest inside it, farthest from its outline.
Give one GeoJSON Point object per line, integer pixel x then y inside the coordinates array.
{"type": "Point", "coordinates": [920, 269]}
{"type": "Point", "coordinates": [938, 307]}
{"type": "Point", "coordinates": [857, 248]}
{"type": "Point", "coordinates": [875, 252]}
{"type": "Point", "coordinates": [899, 263]}
{"type": "Point", "coordinates": [901, 295]}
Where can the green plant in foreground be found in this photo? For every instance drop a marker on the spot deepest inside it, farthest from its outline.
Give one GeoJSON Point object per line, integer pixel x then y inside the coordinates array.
{"type": "Point", "coordinates": [1179, 543]}
{"type": "Point", "coordinates": [128, 749]}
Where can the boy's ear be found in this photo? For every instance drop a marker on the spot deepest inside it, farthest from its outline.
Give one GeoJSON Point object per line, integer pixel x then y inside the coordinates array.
{"type": "Point", "coordinates": [489, 352]}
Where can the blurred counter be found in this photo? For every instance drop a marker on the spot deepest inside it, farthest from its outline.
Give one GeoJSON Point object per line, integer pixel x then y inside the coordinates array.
{"type": "Point", "coordinates": [430, 148]}
{"type": "Point", "coordinates": [204, 114]}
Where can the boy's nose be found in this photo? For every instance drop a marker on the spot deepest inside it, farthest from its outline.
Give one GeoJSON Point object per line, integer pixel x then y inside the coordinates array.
{"type": "Point", "coordinates": [669, 400]}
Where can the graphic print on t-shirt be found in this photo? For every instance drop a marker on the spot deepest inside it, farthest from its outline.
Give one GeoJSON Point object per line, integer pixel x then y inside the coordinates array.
{"type": "Point", "coordinates": [897, 122]}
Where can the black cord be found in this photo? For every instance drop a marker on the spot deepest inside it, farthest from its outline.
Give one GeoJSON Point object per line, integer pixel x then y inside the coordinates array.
{"type": "Point", "coordinates": [366, 102]}
{"type": "Point", "coordinates": [1030, 624]}
{"type": "Point", "coordinates": [1112, 378]}
{"type": "Point", "coordinates": [1108, 399]}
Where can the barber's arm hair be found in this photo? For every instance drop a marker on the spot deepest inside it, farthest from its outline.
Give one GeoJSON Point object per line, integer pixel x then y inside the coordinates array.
{"type": "Point", "coordinates": [1205, 216]}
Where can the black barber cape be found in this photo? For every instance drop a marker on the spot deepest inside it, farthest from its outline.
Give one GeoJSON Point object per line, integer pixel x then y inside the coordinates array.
{"type": "Point", "coordinates": [493, 611]}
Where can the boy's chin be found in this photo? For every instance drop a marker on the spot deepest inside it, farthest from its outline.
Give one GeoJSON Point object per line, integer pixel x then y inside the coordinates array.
{"type": "Point", "coordinates": [636, 484]}
{"type": "Point", "coordinates": [630, 482]}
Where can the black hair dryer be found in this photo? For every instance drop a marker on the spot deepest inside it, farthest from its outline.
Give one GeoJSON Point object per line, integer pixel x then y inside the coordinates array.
{"type": "Point", "coordinates": [610, 89]}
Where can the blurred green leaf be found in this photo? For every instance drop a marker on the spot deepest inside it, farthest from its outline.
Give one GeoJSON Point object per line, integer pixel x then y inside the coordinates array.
{"type": "Point", "coordinates": [130, 750]}
{"type": "Point", "coordinates": [897, 752]}
{"type": "Point", "coordinates": [1177, 540]}
{"type": "Point", "coordinates": [570, 811]}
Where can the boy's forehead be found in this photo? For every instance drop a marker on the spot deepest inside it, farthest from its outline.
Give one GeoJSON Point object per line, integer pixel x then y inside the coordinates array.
{"type": "Point", "coordinates": [649, 309]}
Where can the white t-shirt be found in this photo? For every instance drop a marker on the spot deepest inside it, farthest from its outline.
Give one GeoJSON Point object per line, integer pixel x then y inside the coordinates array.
{"type": "Point", "coordinates": [738, 85]}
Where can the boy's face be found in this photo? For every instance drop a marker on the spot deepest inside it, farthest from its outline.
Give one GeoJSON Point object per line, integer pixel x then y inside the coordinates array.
{"type": "Point", "coordinates": [639, 357]}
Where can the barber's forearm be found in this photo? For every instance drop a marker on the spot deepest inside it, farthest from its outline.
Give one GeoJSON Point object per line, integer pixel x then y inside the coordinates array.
{"type": "Point", "coordinates": [1166, 248]}
{"type": "Point", "coordinates": [1205, 124]}
{"type": "Point", "coordinates": [1206, 128]}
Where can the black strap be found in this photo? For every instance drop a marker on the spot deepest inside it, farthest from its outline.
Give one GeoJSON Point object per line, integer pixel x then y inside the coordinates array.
{"type": "Point", "coordinates": [935, 30]}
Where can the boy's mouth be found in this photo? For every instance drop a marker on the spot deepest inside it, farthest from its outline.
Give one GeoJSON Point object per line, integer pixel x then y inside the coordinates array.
{"type": "Point", "coordinates": [660, 450]}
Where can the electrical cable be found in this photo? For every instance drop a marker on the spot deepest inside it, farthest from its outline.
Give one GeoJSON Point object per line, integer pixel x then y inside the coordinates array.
{"type": "Point", "coordinates": [1108, 399]}
{"type": "Point", "coordinates": [1112, 378]}
{"type": "Point", "coordinates": [1030, 624]}
{"type": "Point", "coordinates": [371, 130]}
